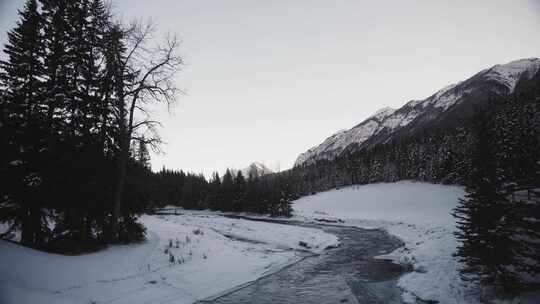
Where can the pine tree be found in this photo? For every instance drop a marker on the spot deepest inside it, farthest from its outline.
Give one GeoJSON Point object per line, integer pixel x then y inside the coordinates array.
{"type": "Point", "coordinates": [239, 200]}
{"type": "Point", "coordinates": [213, 196]}
{"type": "Point", "coordinates": [227, 192]}
{"type": "Point", "coordinates": [483, 217]}
{"type": "Point", "coordinates": [23, 123]}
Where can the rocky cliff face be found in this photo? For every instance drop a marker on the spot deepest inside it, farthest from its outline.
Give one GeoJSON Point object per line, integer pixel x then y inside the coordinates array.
{"type": "Point", "coordinates": [446, 107]}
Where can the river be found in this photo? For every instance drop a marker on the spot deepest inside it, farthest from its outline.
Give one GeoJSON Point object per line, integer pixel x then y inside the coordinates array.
{"type": "Point", "coordinates": [346, 274]}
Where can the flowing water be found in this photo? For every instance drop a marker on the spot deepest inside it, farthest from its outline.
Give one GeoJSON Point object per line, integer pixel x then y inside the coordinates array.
{"type": "Point", "coordinates": [346, 274]}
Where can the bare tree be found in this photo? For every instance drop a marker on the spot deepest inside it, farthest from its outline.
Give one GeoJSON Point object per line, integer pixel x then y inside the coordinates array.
{"type": "Point", "coordinates": [147, 77]}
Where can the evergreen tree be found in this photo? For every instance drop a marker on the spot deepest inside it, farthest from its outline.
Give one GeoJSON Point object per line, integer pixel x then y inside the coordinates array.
{"type": "Point", "coordinates": [213, 197]}
{"type": "Point", "coordinates": [23, 125]}
{"type": "Point", "coordinates": [60, 87]}
{"type": "Point", "coordinates": [227, 192]}
{"type": "Point", "coordinates": [239, 200]}
{"type": "Point", "coordinates": [483, 217]}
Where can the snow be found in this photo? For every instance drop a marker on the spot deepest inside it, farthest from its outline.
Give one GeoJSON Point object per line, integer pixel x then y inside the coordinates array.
{"type": "Point", "coordinates": [217, 254]}
{"type": "Point", "coordinates": [255, 169]}
{"type": "Point", "coordinates": [391, 120]}
{"type": "Point", "coordinates": [509, 74]}
{"type": "Point", "coordinates": [420, 215]}
{"type": "Point", "coordinates": [383, 113]}
{"type": "Point", "coordinates": [445, 98]}
{"type": "Point", "coordinates": [335, 144]}
{"type": "Point", "coordinates": [444, 90]}
{"type": "Point", "coordinates": [328, 145]}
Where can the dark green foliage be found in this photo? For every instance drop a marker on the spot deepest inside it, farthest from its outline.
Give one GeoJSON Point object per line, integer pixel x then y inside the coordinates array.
{"type": "Point", "coordinates": [499, 219]}
{"type": "Point", "coordinates": [22, 126]}
{"type": "Point", "coordinates": [58, 127]}
{"type": "Point", "coordinates": [495, 154]}
{"type": "Point", "coordinates": [268, 194]}
{"type": "Point", "coordinates": [433, 155]}
{"type": "Point", "coordinates": [483, 217]}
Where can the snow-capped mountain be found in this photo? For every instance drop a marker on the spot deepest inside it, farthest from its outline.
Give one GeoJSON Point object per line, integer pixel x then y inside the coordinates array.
{"type": "Point", "coordinates": [448, 106]}
{"type": "Point", "coordinates": [254, 169]}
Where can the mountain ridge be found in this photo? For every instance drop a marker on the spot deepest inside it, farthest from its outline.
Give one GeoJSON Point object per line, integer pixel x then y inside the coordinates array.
{"type": "Point", "coordinates": [444, 106]}
{"type": "Point", "coordinates": [255, 169]}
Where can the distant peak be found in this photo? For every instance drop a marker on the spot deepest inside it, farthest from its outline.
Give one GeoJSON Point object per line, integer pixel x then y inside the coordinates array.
{"type": "Point", "coordinates": [522, 62]}
{"type": "Point", "coordinates": [518, 65]}
{"type": "Point", "coordinates": [256, 169]}
{"type": "Point", "coordinates": [510, 73]}
{"type": "Point", "coordinates": [387, 123]}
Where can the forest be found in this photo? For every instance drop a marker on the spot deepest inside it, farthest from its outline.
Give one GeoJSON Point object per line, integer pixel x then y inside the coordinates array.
{"type": "Point", "coordinates": [74, 88]}
{"type": "Point", "coordinates": [74, 96]}
{"type": "Point", "coordinates": [495, 155]}
{"type": "Point", "coordinates": [75, 134]}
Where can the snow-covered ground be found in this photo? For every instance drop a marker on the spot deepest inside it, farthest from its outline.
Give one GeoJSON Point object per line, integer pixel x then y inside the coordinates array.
{"type": "Point", "coordinates": [417, 213]}
{"type": "Point", "coordinates": [214, 254]}
{"type": "Point", "coordinates": [420, 215]}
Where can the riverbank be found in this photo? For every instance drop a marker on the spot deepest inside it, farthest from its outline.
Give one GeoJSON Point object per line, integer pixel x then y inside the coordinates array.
{"type": "Point", "coordinates": [185, 258]}
{"type": "Point", "coordinates": [420, 215]}
{"type": "Point", "coordinates": [348, 273]}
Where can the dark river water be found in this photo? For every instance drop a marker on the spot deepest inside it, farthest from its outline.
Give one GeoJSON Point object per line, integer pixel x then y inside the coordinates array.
{"type": "Point", "coordinates": [347, 274]}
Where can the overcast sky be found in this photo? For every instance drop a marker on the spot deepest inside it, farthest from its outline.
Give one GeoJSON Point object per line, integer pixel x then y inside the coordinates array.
{"type": "Point", "coordinates": [266, 80]}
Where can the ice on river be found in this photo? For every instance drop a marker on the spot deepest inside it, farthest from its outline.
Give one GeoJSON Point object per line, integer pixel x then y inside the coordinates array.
{"type": "Point", "coordinates": [419, 214]}
{"type": "Point", "coordinates": [211, 254]}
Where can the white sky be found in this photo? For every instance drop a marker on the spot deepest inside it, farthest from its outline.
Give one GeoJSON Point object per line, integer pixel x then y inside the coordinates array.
{"type": "Point", "coordinates": [266, 80]}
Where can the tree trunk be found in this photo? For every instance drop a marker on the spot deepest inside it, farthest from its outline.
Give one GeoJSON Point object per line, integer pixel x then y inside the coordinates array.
{"type": "Point", "coordinates": [119, 191]}
{"type": "Point", "coordinates": [35, 217]}
{"type": "Point", "coordinates": [26, 227]}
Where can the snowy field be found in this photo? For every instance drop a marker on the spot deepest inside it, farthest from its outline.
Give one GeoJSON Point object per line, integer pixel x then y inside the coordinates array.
{"type": "Point", "coordinates": [417, 213]}
{"type": "Point", "coordinates": [212, 254]}
{"type": "Point", "coordinates": [420, 215]}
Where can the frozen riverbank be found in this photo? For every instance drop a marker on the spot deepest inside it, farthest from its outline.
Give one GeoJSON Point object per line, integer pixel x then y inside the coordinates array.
{"type": "Point", "coordinates": [212, 254]}
{"type": "Point", "coordinates": [417, 213]}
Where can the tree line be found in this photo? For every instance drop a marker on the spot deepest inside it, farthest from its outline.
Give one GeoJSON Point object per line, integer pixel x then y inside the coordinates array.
{"type": "Point", "coordinates": [75, 88]}
{"type": "Point", "coordinates": [75, 133]}
{"type": "Point", "coordinates": [261, 193]}
{"type": "Point", "coordinates": [74, 91]}
{"type": "Point", "coordinates": [499, 219]}
{"type": "Point", "coordinates": [233, 192]}
{"type": "Point", "coordinates": [495, 155]}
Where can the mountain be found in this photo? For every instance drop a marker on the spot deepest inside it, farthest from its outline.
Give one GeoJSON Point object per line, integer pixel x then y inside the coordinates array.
{"type": "Point", "coordinates": [254, 169]}
{"type": "Point", "coordinates": [447, 107]}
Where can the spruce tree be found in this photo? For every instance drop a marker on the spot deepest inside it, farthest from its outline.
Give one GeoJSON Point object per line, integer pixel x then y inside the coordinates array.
{"type": "Point", "coordinates": [239, 200]}
{"type": "Point", "coordinates": [23, 124]}
{"type": "Point", "coordinates": [213, 195]}
{"type": "Point", "coordinates": [483, 216]}
{"type": "Point", "coordinates": [227, 192]}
